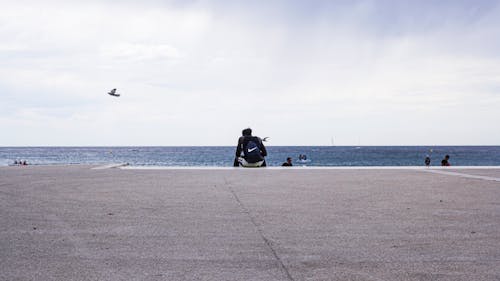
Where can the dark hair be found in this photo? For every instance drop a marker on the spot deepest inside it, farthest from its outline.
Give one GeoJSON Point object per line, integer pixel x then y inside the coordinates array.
{"type": "Point", "coordinates": [247, 132]}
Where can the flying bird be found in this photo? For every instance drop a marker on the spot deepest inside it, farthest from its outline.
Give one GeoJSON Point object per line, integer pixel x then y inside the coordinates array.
{"type": "Point", "coordinates": [113, 93]}
{"type": "Point", "coordinates": [265, 139]}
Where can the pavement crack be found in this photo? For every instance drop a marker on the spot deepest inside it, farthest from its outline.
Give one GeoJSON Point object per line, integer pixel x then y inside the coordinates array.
{"type": "Point", "coordinates": [260, 231]}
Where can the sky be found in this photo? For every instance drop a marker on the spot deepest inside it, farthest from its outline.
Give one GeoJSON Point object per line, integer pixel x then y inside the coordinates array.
{"type": "Point", "coordinates": [196, 73]}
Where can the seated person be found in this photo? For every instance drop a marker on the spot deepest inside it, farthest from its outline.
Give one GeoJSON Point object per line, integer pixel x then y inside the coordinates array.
{"type": "Point", "coordinates": [250, 151]}
{"type": "Point", "coordinates": [288, 162]}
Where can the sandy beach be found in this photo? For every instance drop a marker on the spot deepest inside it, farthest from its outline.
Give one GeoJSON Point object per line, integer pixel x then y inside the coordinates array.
{"type": "Point", "coordinates": [80, 223]}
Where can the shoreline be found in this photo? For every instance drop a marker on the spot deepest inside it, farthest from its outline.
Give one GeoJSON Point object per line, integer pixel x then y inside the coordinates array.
{"type": "Point", "coordinates": [158, 167]}
{"type": "Point", "coordinates": [307, 168]}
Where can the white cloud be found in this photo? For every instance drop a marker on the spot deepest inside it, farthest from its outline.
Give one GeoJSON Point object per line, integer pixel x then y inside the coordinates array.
{"type": "Point", "coordinates": [140, 52]}
{"type": "Point", "coordinates": [298, 74]}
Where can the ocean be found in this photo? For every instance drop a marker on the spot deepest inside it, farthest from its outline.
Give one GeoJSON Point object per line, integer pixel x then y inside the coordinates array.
{"type": "Point", "coordinates": [223, 156]}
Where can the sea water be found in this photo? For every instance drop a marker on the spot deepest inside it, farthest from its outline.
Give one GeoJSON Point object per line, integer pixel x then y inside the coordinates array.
{"type": "Point", "coordinates": [223, 156]}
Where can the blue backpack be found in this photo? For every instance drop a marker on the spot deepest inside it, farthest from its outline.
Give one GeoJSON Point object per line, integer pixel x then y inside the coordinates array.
{"type": "Point", "coordinates": [251, 150]}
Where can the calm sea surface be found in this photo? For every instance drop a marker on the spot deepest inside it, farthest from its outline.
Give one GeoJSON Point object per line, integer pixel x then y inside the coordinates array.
{"type": "Point", "coordinates": [222, 156]}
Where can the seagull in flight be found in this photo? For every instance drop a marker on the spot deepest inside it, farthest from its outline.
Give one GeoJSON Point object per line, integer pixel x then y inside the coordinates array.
{"type": "Point", "coordinates": [113, 93]}
{"type": "Point", "coordinates": [265, 139]}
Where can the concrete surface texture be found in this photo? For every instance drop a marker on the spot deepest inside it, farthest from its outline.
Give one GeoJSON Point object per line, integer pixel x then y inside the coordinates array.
{"type": "Point", "coordinates": [78, 223]}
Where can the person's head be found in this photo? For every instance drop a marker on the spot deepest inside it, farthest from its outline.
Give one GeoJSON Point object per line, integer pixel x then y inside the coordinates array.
{"type": "Point", "coordinates": [289, 160]}
{"type": "Point", "coordinates": [447, 157]}
{"type": "Point", "coordinates": [246, 132]}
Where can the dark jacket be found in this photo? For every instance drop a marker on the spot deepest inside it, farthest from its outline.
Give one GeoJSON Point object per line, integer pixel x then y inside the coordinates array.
{"type": "Point", "coordinates": [240, 147]}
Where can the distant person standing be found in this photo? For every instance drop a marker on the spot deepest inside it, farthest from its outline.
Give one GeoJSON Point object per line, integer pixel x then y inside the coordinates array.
{"type": "Point", "coordinates": [250, 151]}
{"type": "Point", "coordinates": [427, 161]}
{"type": "Point", "coordinates": [445, 161]}
{"type": "Point", "coordinates": [288, 162]}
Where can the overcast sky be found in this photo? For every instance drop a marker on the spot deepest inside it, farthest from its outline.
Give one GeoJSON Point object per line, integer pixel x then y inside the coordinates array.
{"type": "Point", "coordinates": [198, 72]}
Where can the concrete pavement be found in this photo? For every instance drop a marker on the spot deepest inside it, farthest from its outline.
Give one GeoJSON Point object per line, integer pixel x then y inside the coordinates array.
{"type": "Point", "coordinates": [78, 223]}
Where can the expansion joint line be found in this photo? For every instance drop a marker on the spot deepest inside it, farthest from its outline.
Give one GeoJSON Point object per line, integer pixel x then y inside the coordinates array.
{"type": "Point", "coordinates": [260, 231]}
{"type": "Point", "coordinates": [457, 174]}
